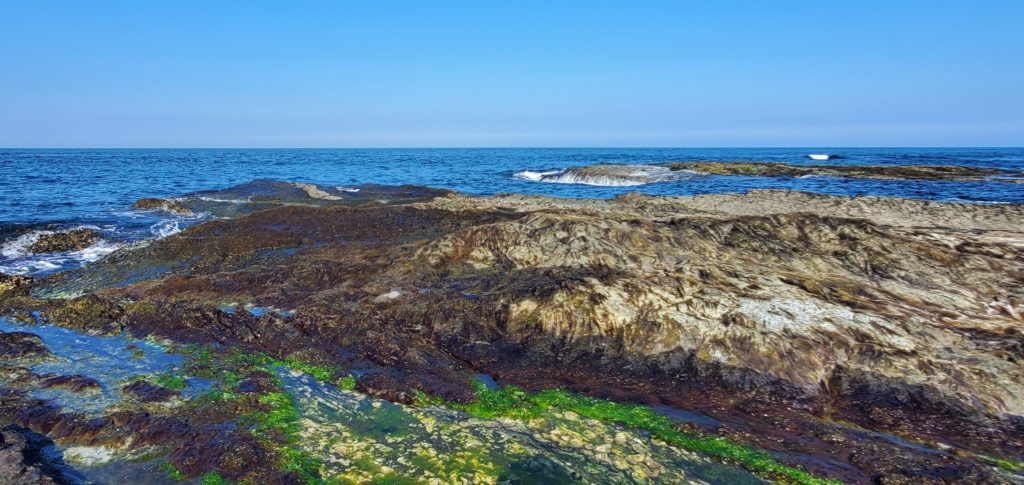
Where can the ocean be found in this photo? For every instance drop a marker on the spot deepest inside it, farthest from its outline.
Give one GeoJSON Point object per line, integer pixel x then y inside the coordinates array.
{"type": "Point", "coordinates": [57, 189]}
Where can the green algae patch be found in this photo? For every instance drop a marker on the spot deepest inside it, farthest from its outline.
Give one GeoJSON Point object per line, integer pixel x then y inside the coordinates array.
{"type": "Point", "coordinates": [347, 383]}
{"type": "Point", "coordinates": [512, 402]}
{"type": "Point", "coordinates": [171, 381]}
{"type": "Point", "coordinates": [214, 478]}
{"type": "Point", "coordinates": [172, 472]}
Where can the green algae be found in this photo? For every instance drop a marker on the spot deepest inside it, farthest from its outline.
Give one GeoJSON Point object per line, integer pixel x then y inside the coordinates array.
{"type": "Point", "coordinates": [172, 471]}
{"type": "Point", "coordinates": [1013, 466]}
{"type": "Point", "coordinates": [171, 381]}
{"type": "Point", "coordinates": [214, 478]}
{"type": "Point", "coordinates": [347, 383]}
{"type": "Point", "coordinates": [512, 402]}
{"type": "Point", "coordinates": [320, 373]}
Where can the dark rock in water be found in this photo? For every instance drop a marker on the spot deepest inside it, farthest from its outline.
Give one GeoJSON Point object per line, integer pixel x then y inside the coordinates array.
{"type": "Point", "coordinates": [22, 461]}
{"type": "Point", "coordinates": [147, 392]}
{"type": "Point", "coordinates": [14, 284]}
{"type": "Point", "coordinates": [21, 344]}
{"type": "Point", "coordinates": [73, 240]}
{"type": "Point", "coordinates": [73, 383]}
{"type": "Point", "coordinates": [162, 205]}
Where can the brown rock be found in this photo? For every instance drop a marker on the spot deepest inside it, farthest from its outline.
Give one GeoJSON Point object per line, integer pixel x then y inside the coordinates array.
{"type": "Point", "coordinates": [22, 344]}
{"type": "Point", "coordinates": [147, 392]}
{"type": "Point", "coordinates": [73, 240]}
{"type": "Point", "coordinates": [161, 204]}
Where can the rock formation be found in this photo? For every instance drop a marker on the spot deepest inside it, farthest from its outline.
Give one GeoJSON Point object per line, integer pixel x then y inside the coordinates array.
{"type": "Point", "coordinates": [816, 327]}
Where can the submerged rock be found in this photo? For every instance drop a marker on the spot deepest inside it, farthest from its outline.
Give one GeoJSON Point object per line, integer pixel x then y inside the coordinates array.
{"type": "Point", "coordinates": [73, 240]}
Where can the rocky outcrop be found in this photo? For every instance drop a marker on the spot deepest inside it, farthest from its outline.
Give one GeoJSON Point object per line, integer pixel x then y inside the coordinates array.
{"type": "Point", "coordinates": [809, 325]}
{"type": "Point", "coordinates": [22, 461]}
{"type": "Point", "coordinates": [73, 240]}
{"type": "Point", "coordinates": [15, 345]}
{"type": "Point", "coordinates": [165, 205]}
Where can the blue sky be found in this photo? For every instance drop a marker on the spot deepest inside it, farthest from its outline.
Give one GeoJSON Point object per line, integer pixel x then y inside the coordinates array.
{"type": "Point", "coordinates": [553, 73]}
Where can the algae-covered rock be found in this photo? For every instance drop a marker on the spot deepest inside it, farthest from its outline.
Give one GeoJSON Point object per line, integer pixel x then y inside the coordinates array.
{"type": "Point", "coordinates": [161, 205]}
{"type": "Point", "coordinates": [73, 240]}
{"type": "Point", "coordinates": [816, 327]}
{"type": "Point", "coordinates": [11, 284]}
{"type": "Point", "coordinates": [21, 344]}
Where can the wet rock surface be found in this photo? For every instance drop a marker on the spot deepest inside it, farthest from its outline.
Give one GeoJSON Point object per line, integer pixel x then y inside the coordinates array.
{"type": "Point", "coordinates": [21, 344]}
{"type": "Point", "coordinates": [161, 205]}
{"type": "Point", "coordinates": [867, 339]}
{"type": "Point", "coordinates": [10, 284]}
{"type": "Point", "coordinates": [22, 460]}
{"type": "Point", "coordinates": [72, 240]}
{"type": "Point", "coordinates": [149, 392]}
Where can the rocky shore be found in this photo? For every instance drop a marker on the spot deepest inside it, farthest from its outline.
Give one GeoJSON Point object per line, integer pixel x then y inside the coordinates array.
{"type": "Point", "coordinates": [312, 332]}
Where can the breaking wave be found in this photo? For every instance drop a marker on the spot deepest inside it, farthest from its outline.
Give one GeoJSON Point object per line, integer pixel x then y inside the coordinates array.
{"type": "Point", "coordinates": [166, 228]}
{"type": "Point", "coordinates": [18, 259]}
{"type": "Point", "coordinates": [606, 175]}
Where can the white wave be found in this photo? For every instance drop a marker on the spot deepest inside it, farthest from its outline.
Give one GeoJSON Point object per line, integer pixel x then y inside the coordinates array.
{"type": "Point", "coordinates": [18, 247]}
{"type": "Point", "coordinates": [819, 156]}
{"type": "Point", "coordinates": [535, 176]}
{"type": "Point", "coordinates": [606, 175]}
{"type": "Point", "coordinates": [166, 228]}
{"type": "Point", "coordinates": [347, 189]}
{"type": "Point", "coordinates": [31, 266]}
{"type": "Point", "coordinates": [226, 201]}
{"type": "Point", "coordinates": [96, 251]}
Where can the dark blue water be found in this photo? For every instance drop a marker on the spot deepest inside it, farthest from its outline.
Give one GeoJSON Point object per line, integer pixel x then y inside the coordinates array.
{"type": "Point", "coordinates": [70, 187]}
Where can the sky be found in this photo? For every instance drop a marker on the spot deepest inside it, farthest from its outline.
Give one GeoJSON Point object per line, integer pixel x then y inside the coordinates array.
{"type": "Point", "coordinates": [524, 73]}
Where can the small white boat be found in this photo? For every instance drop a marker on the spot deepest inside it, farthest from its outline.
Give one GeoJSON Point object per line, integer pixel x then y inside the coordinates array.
{"type": "Point", "coordinates": [819, 156]}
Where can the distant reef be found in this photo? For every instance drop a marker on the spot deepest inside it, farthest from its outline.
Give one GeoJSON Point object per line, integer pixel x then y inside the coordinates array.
{"type": "Point", "coordinates": [625, 175]}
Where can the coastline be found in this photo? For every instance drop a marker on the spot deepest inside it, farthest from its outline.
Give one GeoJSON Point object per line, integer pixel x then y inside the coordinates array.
{"type": "Point", "coordinates": [817, 328]}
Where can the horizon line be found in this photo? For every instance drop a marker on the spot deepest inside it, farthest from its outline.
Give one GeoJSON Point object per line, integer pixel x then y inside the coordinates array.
{"type": "Point", "coordinates": [666, 147]}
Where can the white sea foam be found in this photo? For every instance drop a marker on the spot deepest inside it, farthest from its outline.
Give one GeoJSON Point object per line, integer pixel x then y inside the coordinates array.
{"type": "Point", "coordinates": [166, 228]}
{"type": "Point", "coordinates": [96, 251]}
{"type": "Point", "coordinates": [18, 247]}
{"type": "Point", "coordinates": [225, 201]}
{"type": "Point", "coordinates": [19, 260]}
{"type": "Point", "coordinates": [536, 176]}
{"type": "Point", "coordinates": [606, 175]}
{"type": "Point", "coordinates": [347, 189]}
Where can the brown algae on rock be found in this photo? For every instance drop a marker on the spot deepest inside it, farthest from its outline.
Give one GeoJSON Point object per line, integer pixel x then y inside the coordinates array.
{"type": "Point", "coordinates": [780, 316]}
